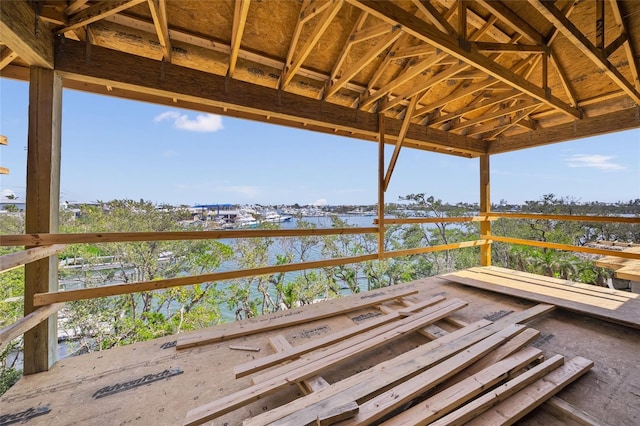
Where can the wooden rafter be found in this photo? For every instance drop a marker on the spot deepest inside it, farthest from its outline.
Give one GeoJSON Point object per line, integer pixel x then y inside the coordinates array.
{"type": "Point", "coordinates": [346, 48]}
{"type": "Point", "coordinates": [370, 32]}
{"type": "Point", "coordinates": [580, 41]}
{"type": "Point", "coordinates": [456, 95]}
{"type": "Point", "coordinates": [18, 32]}
{"type": "Point", "coordinates": [628, 45]}
{"type": "Point", "coordinates": [505, 14]}
{"type": "Point", "coordinates": [475, 107]}
{"type": "Point", "coordinates": [75, 6]}
{"type": "Point", "coordinates": [503, 124]}
{"type": "Point", "coordinates": [521, 119]}
{"type": "Point", "coordinates": [434, 16]}
{"type": "Point", "coordinates": [394, 14]}
{"type": "Point", "coordinates": [6, 57]}
{"type": "Point", "coordinates": [496, 114]}
{"type": "Point", "coordinates": [351, 72]}
{"type": "Point", "coordinates": [409, 52]}
{"type": "Point", "coordinates": [321, 26]}
{"type": "Point", "coordinates": [97, 12]}
{"type": "Point", "coordinates": [417, 88]}
{"type": "Point", "coordinates": [507, 47]}
{"type": "Point", "coordinates": [408, 74]}
{"type": "Point", "coordinates": [399, 141]}
{"type": "Point", "coordinates": [239, 20]}
{"type": "Point", "coordinates": [158, 10]}
{"type": "Point", "coordinates": [401, 43]}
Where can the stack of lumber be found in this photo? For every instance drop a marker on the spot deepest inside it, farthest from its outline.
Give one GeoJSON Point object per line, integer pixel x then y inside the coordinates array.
{"type": "Point", "coordinates": [485, 372]}
{"type": "Point", "coordinates": [607, 304]}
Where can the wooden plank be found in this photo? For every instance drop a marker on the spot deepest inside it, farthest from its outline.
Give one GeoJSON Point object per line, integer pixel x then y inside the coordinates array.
{"type": "Point", "coordinates": [567, 411]}
{"type": "Point", "coordinates": [27, 322]}
{"type": "Point", "coordinates": [441, 247]}
{"type": "Point", "coordinates": [621, 312]}
{"type": "Point", "coordinates": [454, 396]}
{"type": "Point", "coordinates": [121, 237]}
{"type": "Point", "coordinates": [481, 404]}
{"type": "Point", "coordinates": [631, 272]}
{"type": "Point", "coordinates": [285, 355]}
{"type": "Point", "coordinates": [158, 10]}
{"type": "Point", "coordinates": [239, 20]}
{"type": "Point", "coordinates": [579, 288]}
{"type": "Point", "coordinates": [368, 341]}
{"type": "Point", "coordinates": [313, 384]}
{"type": "Point", "coordinates": [403, 133]}
{"type": "Point", "coordinates": [279, 320]}
{"type": "Point", "coordinates": [40, 299]}
{"type": "Point", "coordinates": [228, 403]}
{"type": "Point", "coordinates": [485, 206]}
{"type": "Point", "coordinates": [391, 399]}
{"type": "Point", "coordinates": [10, 261]}
{"type": "Point", "coordinates": [244, 348]}
{"type": "Point", "coordinates": [568, 217]}
{"type": "Point", "coordinates": [17, 27]}
{"type": "Point", "coordinates": [523, 402]}
{"type": "Point", "coordinates": [42, 208]}
{"type": "Point", "coordinates": [381, 227]}
{"type": "Point", "coordinates": [421, 358]}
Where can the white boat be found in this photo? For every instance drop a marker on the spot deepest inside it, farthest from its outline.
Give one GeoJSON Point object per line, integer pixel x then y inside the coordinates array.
{"type": "Point", "coordinates": [245, 220]}
{"type": "Point", "coordinates": [272, 216]}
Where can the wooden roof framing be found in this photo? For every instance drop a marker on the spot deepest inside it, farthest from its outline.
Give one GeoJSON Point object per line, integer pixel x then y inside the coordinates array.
{"type": "Point", "coordinates": [473, 77]}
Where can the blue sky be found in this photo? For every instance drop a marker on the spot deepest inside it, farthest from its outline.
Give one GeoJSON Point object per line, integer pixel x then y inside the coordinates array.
{"type": "Point", "coordinates": [114, 148]}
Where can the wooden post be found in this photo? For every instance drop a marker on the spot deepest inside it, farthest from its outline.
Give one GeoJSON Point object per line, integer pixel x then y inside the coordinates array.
{"type": "Point", "coordinates": [42, 204]}
{"type": "Point", "coordinates": [381, 131]}
{"type": "Point", "coordinates": [485, 207]}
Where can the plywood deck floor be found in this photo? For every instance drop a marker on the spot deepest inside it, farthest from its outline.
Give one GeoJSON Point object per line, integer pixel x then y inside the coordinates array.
{"type": "Point", "coordinates": [153, 383]}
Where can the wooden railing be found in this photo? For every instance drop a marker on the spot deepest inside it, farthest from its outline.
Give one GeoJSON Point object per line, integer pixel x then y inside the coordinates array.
{"type": "Point", "coordinates": [45, 245]}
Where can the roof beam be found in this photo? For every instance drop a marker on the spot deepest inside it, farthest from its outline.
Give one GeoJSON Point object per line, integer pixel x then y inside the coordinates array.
{"type": "Point", "coordinates": [291, 68]}
{"type": "Point", "coordinates": [239, 21]}
{"type": "Point", "coordinates": [75, 6]}
{"type": "Point", "coordinates": [19, 30]}
{"type": "Point", "coordinates": [580, 41]}
{"type": "Point", "coordinates": [474, 107]}
{"type": "Point", "coordinates": [602, 124]}
{"type": "Point", "coordinates": [396, 15]}
{"type": "Point", "coordinates": [96, 12]}
{"type": "Point", "coordinates": [496, 114]}
{"type": "Point", "coordinates": [456, 95]}
{"type": "Point", "coordinates": [158, 10]}
{"type": "Point", "coordinates": [146, 79]}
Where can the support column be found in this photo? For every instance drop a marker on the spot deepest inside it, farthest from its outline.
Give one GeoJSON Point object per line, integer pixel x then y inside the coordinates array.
{"type": "Point", "coordinates": [381, 228]}
{"type": "Point", "coordinates": [485, 207]}
{"type": "Point", "coordinates": [42, 205]}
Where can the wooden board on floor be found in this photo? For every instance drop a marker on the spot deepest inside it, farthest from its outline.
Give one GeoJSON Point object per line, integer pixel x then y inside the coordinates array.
{"type": "Point", "coordinates": [610, 308]}
{"type": "Point", "coordinates": [279, 320]}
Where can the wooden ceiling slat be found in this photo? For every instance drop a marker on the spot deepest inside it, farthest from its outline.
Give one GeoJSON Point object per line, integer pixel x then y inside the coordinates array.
{"type": "Point", "coordinates": [499, 113]}
{"type": "Point", "coordinates": [241, 11]}
{"type": "Point", "coordinates": [75, 6]}
{"type": "Point", "coordinates": [505, 14]}
{"type": "Point", "coordinates": [97, 12]}
{"type": "Point", "coordinates": [158, 10]}
{"type": "Point", "coordinates": [396, 15]}
{"type": "Point", "coordinates": [475, 107]}
{"type": "Point", "coordinates": [580, 41]}
{"type": "Point", "coordinates": [324, 21]}
{"type": "Point", "coordinates": [490, 81]}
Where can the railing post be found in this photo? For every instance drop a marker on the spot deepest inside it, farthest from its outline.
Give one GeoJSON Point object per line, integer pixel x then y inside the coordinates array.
{"type": "Point", "coordinates": [381, 131]}
{"type": "Point", "coordinates": [485, 207]}
{"type": "Point", "coordinates": [42, 205]}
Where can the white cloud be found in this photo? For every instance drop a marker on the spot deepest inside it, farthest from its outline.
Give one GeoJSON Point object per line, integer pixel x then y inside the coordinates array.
{"type": "Point", "coordinates": [7, 193]}
{"type": "Point", "coordinates": [596, 161]}
{"type": "Point", "coordinates": [201, 123]}
{"type": "Point", "coordinates": [319, 202]}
